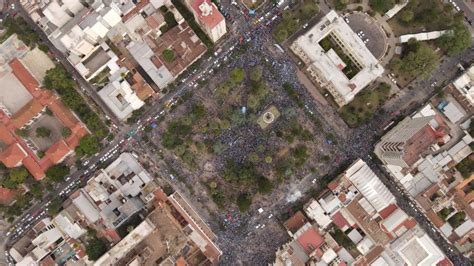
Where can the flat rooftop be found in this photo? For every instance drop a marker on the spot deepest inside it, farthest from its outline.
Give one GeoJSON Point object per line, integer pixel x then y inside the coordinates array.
{"type": "Point", "coordinates": [328, 63]}
{"type": "Point", "coordinates": [16, 96]}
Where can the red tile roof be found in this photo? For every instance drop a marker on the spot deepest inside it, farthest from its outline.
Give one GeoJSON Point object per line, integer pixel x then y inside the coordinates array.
{"type": "Point", "coordinates": [310, 240]}
{"type": "Point", "coordinates": [33, 167]}
{"type": "Point", "coordinates": [26, 113]}
{"type": "Point", "coordinates": [63, 114]}
{"type": "Point", "coordinates": [211, 19]}
{"type": "Point", "coordinates": [295, 222]}
{"type": "Point", "coordinates": [387, 211]}
{"type": "Point", "coordinates": [57, 151]}
{"type": "Point", "coordinates": [24, 76]}
{"type": "Point", "coordinates": [6, 195]}
{"type": "Point", "coordinates": [135, 10]}
{"type": "Point", "coordinates": [339, 220]}
{"type": "Point", "coordinates": [5, 136]}
{"type": "Point", "coordinates": [13, 155]}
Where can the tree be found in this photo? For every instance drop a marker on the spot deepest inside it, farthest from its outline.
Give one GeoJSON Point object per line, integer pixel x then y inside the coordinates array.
{"type": "Point", "coordinates": [66, 132]}
{"type": "Point", "coordinates": [36, 190]}
{"type": "Point", "coordinates": [16, 177]}
{"type": "Point", "coordinates": [168, 55]}
{"type": "Point", "coordinates": [56, 173]}
{"type": "Point", "coordinates": [199, 111]}
{"type": "Point", "coordinates": [407, 16]}
{"type": "Point", "coordinates": [237, 75]}
{"type": "Point", "coordinates": [420, 60]}
{"type": "Point", "coordinates": [244, 201]}
{"type": "Point", "coordinates": [95, 248]}
{"type": "Point", "coordinates": [381, 6]}
{"type": "Point", "coordinates": [22, 132]}
{"type": "Point", "coordinates": [55, 206]}
{"type": "Point", "coordinates": [57, 78]}
{"type": "Point", "coordinates": [456, 41]}
{"type": "Point", "coordinates": [42, 132]}
{"type": "Point", "coordinates": [256, 74]}
{"type": "Point", "coordinates": [264, 185]}
{"type": "Point", "coordinates": [88, 145]}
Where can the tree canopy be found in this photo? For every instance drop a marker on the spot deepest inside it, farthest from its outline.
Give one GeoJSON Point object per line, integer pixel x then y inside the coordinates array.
{"type": "Point", "coordinates": [458, 40]}
{"type": "Point", "coordinates": [419, 60]}
{"type": "Point", "coordinates": [16, 177]}
{"type": "Point", "coordinates": [43, 132]}
{"type": "Point", "coordinates": [88, 145]}
{"type": "Point", "coordinates": [168, 55]}
{"type": "Point", "coordinates": [95, 248]}
{"type": "Point", "coordinates": [56, 173]}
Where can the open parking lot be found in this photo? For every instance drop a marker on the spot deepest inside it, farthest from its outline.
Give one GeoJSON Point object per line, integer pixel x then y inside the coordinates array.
{"type": "Point", "coordinates": [371, 34]}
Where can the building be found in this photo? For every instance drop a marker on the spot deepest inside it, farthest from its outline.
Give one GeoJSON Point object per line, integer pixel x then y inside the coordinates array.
{"type": "Point", "coordinates": [365, 180]}
{"type": "Point", "coordinates": [404, 144]}
{"type": "Point", "coordinates": [423, 36]}
{"type": "Point", "coordinates": [115, 193]}
{"type": "Point", "coordinates": [173, 233]}
{"type": "Point", "coordinates": [209, 18]}
{"type": "Point", "coordinates": [357, 222]}
{"type": "Point", "coordinates": [50, 242]}
{"type": "Point", "coordinates": [26, 107]}
{"type": "Point", "coordinates": [465, 86]}
{"type": "Point", "coordinates": [337, 58]}
{"type": "Point", "coordinates": [121, 99]}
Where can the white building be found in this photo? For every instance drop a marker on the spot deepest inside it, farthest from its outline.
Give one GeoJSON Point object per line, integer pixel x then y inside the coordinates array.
{"type": "Point", "coordinates": [146, 58]}
{"type": "Point", "coordinates": [423, 36]}
{"type": "Point", "coordinates": [465, 85]}
{"type": "Point", "coordinates": [120, 98]}
{"type": "Point", "coordinates": [122, 248]}
{"type": "Point", "coordinates": [415, 247]}
{"type": "Point", "coordinates": [346, 67]}
{"type": "Point", "coordinates": [315, 211]}
{"type": "Point", "coordinates": [369, 185]}
{"type": "Point", "coordinates": [115, 193]}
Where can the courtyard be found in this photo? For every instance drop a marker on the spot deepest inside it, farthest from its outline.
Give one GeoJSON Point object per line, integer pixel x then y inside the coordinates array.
{"type": "Point", "coordinates": [51, 124]}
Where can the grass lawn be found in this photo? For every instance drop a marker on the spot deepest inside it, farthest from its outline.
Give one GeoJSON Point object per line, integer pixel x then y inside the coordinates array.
{"type": "Point", "coordinates": [364, 105]}
{"type": "Point", "coordinates": [295, 18]}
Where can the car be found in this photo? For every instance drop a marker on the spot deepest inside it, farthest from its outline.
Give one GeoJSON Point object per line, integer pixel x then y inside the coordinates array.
{"type": "Point", "coordinates": [258, 226]}
{"type": "Point", "coordinates": [270, 216]}
{"type": "Point", "coordinates": [314, 181]}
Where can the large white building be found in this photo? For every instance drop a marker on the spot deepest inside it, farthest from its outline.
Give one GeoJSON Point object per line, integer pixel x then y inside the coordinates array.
{"type": "Point", "coordinates": [369, 185]}
{"type": "Point", "coordinates": [344, 66]}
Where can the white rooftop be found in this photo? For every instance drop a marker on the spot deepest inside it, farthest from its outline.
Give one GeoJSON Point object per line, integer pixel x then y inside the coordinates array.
{"type": "Point", "coordinates": [465, 84]}
{"type": "Point", "coordinates": [120, 98]}
{"type": "Point", "coordinates": [330, 67]}
{"type": "Point", "coordinates": [125, 245]}
{"type": "Point", "coordinates": [423, 36]}
{"type": "Point", "coordinates": [316, 212]}
{"type": "Point", "coordinates": [369, 184]}
{"type": "Point", "coordinates": [394, 220]}
{"type": "Point", "coordinates": [143, 54]}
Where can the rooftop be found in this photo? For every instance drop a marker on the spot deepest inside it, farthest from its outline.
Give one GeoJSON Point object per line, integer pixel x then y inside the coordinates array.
{"type": "Point", "coordinates": [207, 12]}
{"type": "Point", "coordinates": [328, 63]}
